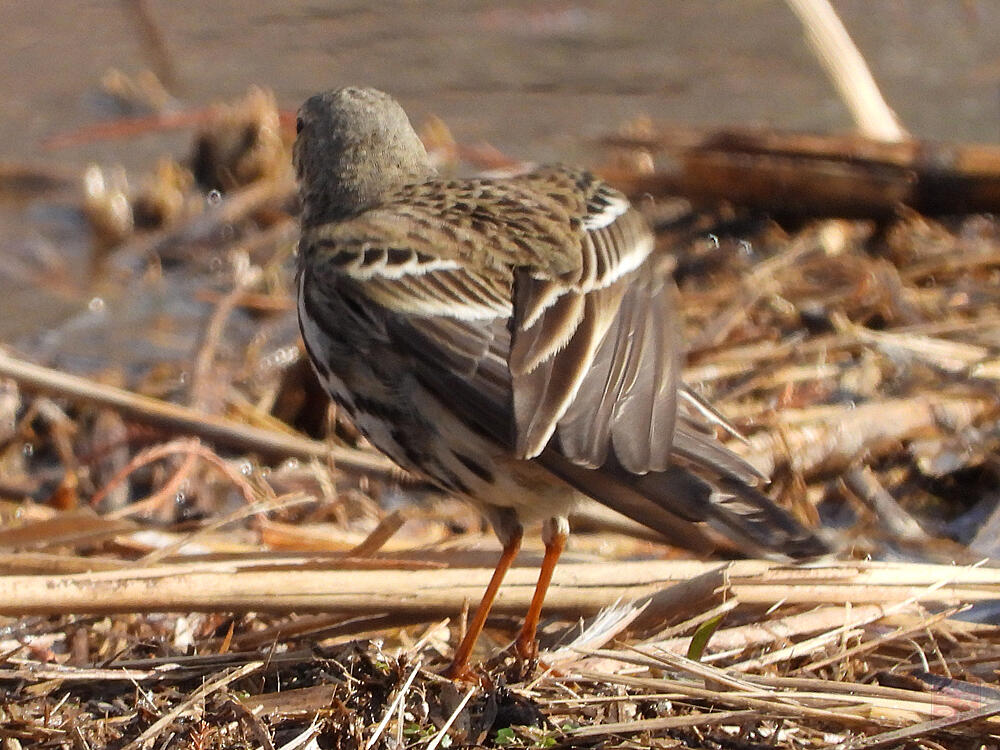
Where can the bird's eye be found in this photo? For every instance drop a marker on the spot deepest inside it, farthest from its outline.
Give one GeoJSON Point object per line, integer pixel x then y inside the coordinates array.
{"type": "Point", "coordinates": [298, 125]}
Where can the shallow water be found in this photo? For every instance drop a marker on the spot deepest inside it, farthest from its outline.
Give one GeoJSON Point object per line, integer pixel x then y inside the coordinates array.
{"type": "Point", "coordinates": [531, 78]}
{"type": "Point", "coordinates": [539, 81]}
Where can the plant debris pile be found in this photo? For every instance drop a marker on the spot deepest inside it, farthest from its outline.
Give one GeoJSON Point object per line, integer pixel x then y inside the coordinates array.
{"type": "Point", "coordinates": [196, 552]}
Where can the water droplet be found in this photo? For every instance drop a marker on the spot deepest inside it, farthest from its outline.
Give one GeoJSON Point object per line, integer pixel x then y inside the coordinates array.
{"type": "Point", "coordinates": [28, 450]}
{"type": "Point", "coordinates": [182, 377]}
{"type": "Point", "coordinates": [94, 186]}
{"type": "Point", "coordinates": [180, 498]}
{"type": "Point", "coordinates": [246, 468]}
{"type": "Point", "coordinates": [291, 464]}
{"type": "Point", "coordinates": [96, 305]}
{"type": "Point", "coordinates": [746, 247]}
{"type": "Point", "coordinates": [214, 197]}
{"type": "Point", "coordinates": [714, 239]}
{"type": "Point", "coordinates": [282, 357]}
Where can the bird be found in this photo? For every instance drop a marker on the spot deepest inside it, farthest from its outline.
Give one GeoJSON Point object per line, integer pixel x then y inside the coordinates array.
{"type": "Point", "coordinates": [514, 340]}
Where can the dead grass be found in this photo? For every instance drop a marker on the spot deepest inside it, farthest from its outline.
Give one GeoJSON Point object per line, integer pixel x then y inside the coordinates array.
{"type": "Point", "coordinates": [181, 568]}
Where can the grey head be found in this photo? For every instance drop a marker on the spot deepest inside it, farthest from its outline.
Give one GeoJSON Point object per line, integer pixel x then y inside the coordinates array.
{"type": "Point", "coordinates": [355, 146]}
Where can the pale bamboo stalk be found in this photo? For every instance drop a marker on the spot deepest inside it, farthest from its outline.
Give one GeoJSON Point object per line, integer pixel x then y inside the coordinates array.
{"type": "Point", "coordinates": [889, 514]}
{"type": "Point", "coordinates": [951, 356]}
{"type": "Point", "coordinates": [733, 360]}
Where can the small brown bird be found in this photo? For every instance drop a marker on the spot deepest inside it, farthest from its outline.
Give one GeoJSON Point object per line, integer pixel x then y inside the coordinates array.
{"type": "Point", "coordinates": [512, 340]}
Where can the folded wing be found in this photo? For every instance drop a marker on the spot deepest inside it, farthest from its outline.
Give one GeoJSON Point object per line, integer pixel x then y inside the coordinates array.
{"type": "Point", "coordinates": [536, 313]}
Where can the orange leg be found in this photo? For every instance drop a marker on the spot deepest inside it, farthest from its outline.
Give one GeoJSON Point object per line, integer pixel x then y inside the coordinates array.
{"type": "Point", "coordinates": [459, 668]}
{"type": "Point", "coordinates": [555, 533]}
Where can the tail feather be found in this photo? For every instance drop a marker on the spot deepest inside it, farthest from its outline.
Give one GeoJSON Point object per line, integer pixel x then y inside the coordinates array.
{"type": "Point", "coordinates": [675, 503]}
{"type": "Point", "coordinates": [738, 510]}
{"type": "Point", "coordinates": [629, 501]}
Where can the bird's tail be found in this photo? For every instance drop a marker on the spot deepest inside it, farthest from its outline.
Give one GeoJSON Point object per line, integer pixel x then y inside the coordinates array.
{"type": "Point", "coordinates": [678, 503]}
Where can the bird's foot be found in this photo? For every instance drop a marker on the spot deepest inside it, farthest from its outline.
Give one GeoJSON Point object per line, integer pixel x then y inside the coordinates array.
{"type": "Point", "coordinates": [525, 661]}
{"type": "Point", "coordinates": [465, 674]}
{"type": "Point", "coordinates": [526, 649]}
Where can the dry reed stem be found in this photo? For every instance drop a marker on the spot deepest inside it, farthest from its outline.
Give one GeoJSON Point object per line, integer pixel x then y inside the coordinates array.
{"type": "Point", "coordinates": [75, 527]}
{"type": "Point", "coordinates": [768, 703]}
{"type": "Point", "coordinates": [865, 485]}
{"type": "Point", "coordinates": [781, 629]}
{"type": "Point", "coordinates": [256, 507]}
{"type": "Point", "coordinates": [187, 421]}
{"type": "Point", "coordinates": [577, 588]}
{"type": "Point", "coordinates": [848, 69]}
{"type": "Point", "coordinates": [872, 644]}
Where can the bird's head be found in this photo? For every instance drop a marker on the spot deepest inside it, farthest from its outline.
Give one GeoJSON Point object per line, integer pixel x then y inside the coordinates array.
{"type": "Point", "coordinates": [355, 146]}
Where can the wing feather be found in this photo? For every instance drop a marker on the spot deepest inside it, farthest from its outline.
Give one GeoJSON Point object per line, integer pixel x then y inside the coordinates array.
{"type": "Point", "coordinates": [542, 324]}
{"type": "Point", "coordinates": [592, 351]}
{"type": "Point", "coordinates": [543, 395]}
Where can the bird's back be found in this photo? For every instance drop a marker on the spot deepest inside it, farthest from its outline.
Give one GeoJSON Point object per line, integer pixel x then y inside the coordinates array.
{"type": "Point", "coordinates": [469, 324]}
